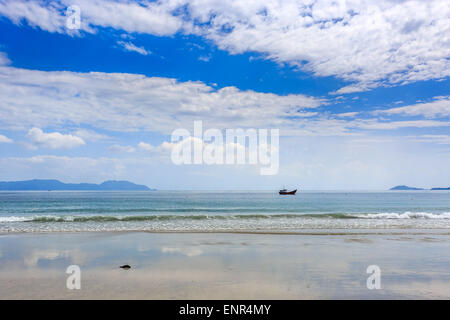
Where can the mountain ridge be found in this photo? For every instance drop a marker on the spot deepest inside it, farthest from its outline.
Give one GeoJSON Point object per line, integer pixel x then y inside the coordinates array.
{"type": "Point", "coordinates": [403, 187]}
{"type": "Point", "coordinates": [53, 184]}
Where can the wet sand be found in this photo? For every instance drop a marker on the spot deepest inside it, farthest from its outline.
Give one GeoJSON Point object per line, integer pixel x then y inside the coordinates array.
{"type": "Point", "coordinates": [225, 266]}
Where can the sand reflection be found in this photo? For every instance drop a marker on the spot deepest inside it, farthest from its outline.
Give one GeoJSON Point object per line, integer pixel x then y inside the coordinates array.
{"type": "Point", "coordinates": [222, 266]}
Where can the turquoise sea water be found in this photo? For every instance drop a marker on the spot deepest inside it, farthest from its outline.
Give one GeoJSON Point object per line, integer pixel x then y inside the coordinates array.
{"type": "Point", "coordinates": [221, 211]}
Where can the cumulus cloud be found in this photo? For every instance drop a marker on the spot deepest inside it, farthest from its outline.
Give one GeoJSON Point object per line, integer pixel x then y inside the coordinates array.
{"type": "Point", "coordinates": [4, 139]}
{"type": "Point", "coordinates": [145, 146]}
{"type": "Point", "coordinates": [130, 102]}
{"type": "Point", "coordinates": [368, 43]}
{"type": "Point", "coordinates": [54, 140]}
{"type": "Point", "coordinates": [128, 46]}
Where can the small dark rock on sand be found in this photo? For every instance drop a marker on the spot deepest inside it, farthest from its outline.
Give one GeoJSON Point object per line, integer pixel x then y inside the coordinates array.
{"type": "Point", "coordinates": [125, 266]}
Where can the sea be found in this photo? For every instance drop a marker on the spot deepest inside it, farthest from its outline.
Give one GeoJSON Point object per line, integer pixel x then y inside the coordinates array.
{"type": "Point", "coordinates": [223, 211]}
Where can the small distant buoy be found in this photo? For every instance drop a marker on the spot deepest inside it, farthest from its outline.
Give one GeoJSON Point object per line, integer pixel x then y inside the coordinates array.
{"type": "Point", "coordinates": [125, 266]}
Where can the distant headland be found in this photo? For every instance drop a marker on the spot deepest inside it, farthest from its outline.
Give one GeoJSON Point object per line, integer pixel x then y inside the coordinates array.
{"type": "Point", "coordinates": [403, 187]}
{"type": "Point", "coordinates": [45, 185]}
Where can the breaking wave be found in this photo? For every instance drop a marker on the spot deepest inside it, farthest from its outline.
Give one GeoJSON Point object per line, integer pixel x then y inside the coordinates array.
{"type": "Point", "coordinates": [175, 217]}
{"type": "Point", "coordinates": [406, 215]}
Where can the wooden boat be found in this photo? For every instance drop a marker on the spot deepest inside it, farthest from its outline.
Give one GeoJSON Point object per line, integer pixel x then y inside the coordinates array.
{"type": "Point", "coordinates": [284, 191]}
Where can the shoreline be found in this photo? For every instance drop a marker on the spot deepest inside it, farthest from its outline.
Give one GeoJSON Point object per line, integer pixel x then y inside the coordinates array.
{"type": "Point", "coordinates": [380, 232]}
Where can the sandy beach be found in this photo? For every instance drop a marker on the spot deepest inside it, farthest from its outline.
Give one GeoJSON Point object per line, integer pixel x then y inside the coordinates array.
{"type": "Point", "coordinates": [413, 265]}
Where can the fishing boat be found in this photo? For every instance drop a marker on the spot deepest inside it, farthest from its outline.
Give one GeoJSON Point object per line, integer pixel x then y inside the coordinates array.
{"type": "Point", "coordinates": [284, 191]}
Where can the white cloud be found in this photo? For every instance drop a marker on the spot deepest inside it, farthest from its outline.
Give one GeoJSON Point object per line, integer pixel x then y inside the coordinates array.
{"type": "Point", "coordinates": [54, 140]}
{"type": "Point", "coordinates": [145, 17]}
{"type": "Point", "coordinates": [433, 138]}
{"type": "Point", "coordinates": [391, 125]}
{"type": "Point", "coordinates": [359, 87]}
{"type": "Point", "coordinates": [190, 252]}
{"type": "Point", "coordinates": [79, 169]}
{"type": "Point", "coordinates": [129, 102]}
{"type": "Point", "coordinates": [4, 59]}
{"type": "Point", "coordinates": [32, 259]}
{"type": "Point", "coordinates": [121, 149]}
{"type": "Point", "coordinates": [47, 16]}
{"type": "Point", "coordinates": [162, 150]}
{"type": "Point", "coordinates": [90, 135]}
{"type": "Point", "coordinates": [347, 114]}
{"type": "Point", "coordinates": [204, 58]}
{"type": "Point", "coordinates": [440, 107]}
{"type": "Point", "coordinates": [312, 163]}
{"type": "Point", "coordinates": [4, 139]}
{"type": "Point", "coordinates": [128, 46]}
{"type": "Point", "coordinates": [145, 146]}
{"type": "Point", "coordinates": [369, 43]}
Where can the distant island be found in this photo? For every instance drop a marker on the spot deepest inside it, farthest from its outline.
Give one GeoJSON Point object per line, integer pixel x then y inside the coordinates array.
{"type": "Point", "coordinates": [403, 187]}
{"type": "Point", "coordinates": [36, 185]}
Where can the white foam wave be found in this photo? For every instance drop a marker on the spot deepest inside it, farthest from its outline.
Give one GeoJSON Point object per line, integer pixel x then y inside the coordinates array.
{"type": "Point", "coordinates": [94, 218]}
{"type": "Point", "coordinates": [405, 215]}
{"type": "Point", "coordinates": [15, 219]}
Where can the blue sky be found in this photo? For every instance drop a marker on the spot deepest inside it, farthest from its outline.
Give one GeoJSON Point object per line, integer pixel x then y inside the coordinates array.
{"type": "Point", "coordinates": [360, 93]}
